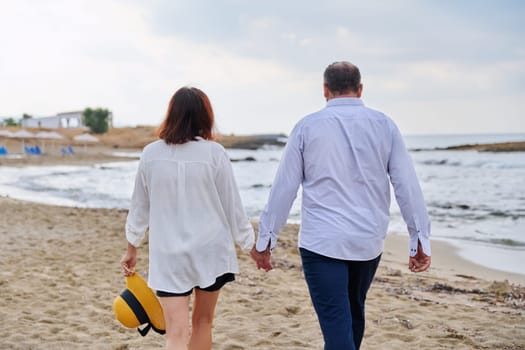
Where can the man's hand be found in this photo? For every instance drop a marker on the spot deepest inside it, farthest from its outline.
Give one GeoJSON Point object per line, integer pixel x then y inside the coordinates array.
{"type": "Point", "coordinates": [262, 259]}
{"type": "Point", "coordinates": [129, 260]}
{"type": "Point", "coordinates": [419, 262]}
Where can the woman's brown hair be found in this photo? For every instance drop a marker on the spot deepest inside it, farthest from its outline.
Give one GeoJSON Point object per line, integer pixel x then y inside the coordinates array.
{"type": "Point", "coordinates": [189, 115]}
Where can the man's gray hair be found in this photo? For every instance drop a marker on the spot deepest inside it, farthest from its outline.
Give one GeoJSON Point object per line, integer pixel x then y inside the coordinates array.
{"type": "Point", "coordinates": [342, 78]}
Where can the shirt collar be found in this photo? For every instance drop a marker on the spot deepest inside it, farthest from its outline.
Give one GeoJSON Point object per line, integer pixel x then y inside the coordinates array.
{"type": "Point", "coordinates": [348, 101]}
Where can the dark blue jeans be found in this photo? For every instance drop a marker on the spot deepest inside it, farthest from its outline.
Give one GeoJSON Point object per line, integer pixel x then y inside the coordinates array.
{"type": "Point", "coordinates": [338, 290]}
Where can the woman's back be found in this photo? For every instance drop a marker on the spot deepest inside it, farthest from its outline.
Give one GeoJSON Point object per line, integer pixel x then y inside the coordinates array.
{"type": "Point", "coordinates": [192, 222]}
{"type": "Point", "coordinates": [184, 203]}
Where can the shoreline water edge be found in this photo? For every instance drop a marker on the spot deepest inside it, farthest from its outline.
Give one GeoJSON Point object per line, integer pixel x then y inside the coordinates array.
{"type": "Point", "coordinates": [475, 199]}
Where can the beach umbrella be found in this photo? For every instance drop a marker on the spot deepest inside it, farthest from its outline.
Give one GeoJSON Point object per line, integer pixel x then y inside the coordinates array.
{"type": "Point", "coordinates": [53, 135]}
{"type": "Point", "coordinates": [85, 139]}
{"type": "Point", "coordinates": [48, 135]}
{"type": "Point", "coordinates": [6, 133]}
{"type": "Point", "coordinates": [22, 134]}
{"type": "Point", "coordinates": [42, 135]}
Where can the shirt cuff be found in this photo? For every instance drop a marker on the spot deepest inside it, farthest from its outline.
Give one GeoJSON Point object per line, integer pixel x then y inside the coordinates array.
{"type": "Point", "coordinates": [133, 238]}
{"type": "Point", "coordinates": [249, 238]}
{"type": "Point", "coordinates": [262, 242]}
{"type": "Point", "coordinates": [425, 244]}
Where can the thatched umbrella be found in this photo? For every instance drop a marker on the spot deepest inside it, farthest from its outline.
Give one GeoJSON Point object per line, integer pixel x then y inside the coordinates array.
{"type": "Point", "coordinates": [23, 134]}
{"type": "Point", "coordinates": [85, 139]}
{"type": "Point", "coordinates": [48, 135]}
{"type": "Point", "coordinates": [4, 134]}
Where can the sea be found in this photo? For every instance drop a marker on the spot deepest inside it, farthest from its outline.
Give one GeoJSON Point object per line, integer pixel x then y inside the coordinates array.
{"type": "Point", "coordinates": [476, 200]}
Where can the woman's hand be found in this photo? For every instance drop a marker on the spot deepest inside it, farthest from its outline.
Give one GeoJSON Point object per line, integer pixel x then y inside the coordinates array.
{"type": "Point", "coordinates": [129, 260]}
{"type": "Point", "coordinates": [262, 259]}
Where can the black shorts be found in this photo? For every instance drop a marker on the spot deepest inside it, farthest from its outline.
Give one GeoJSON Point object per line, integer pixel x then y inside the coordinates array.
{"type": "Point", "coordinates": [219, 283]}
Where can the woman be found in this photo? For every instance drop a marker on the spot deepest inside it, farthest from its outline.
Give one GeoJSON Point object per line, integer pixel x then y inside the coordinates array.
{"type": "Point", "coordinates": [186, 194]}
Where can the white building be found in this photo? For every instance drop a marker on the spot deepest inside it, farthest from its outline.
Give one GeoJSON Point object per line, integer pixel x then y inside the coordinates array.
{"type": "Point", "coordinates": [68, 120]}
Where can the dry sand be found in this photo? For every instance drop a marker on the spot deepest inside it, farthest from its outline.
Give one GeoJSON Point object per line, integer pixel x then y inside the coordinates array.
{"type": "Point", "coordinates": [60, 273]}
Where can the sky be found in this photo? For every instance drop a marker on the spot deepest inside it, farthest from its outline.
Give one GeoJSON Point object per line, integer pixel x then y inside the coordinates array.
{"type": "Point", "coordinates": [433, 66]}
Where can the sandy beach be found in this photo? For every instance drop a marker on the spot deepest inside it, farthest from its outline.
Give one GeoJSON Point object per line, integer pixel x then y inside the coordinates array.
{"type": "Point", "coordinates": [60, 273]}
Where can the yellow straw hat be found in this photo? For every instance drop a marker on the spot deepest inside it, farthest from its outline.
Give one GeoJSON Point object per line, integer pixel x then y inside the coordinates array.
{"type": "Point", "coordinates": [138, 305]}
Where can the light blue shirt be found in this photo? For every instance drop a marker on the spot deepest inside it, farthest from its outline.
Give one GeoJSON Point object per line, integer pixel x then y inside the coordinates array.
{"type": "Point", "coordinates": [345, 156]}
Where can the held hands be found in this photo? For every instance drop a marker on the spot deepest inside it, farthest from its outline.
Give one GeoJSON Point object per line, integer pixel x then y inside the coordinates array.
{"type": "Point", "coordinates": [129, 260]}
{"type": "Point", "coordinates": [262, 259]}
{"type": "Point", "coordinates": [419, 262]}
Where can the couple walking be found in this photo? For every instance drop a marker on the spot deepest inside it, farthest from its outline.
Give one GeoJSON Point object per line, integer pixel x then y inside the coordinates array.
{"type": "Point", "coordinates": [344, 156]}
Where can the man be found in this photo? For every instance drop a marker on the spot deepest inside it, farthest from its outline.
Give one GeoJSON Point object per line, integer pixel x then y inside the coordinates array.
{"type": "Point", "coordinates": [343, 156]}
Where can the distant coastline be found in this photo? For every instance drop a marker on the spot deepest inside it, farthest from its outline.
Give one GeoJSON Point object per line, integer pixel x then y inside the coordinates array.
{"type": "Point", "coordinates": [490, 147]}
{"type": "Point", "coordinates": [518, 146]}
{"type": "Point", "coordinates": [135, 138]}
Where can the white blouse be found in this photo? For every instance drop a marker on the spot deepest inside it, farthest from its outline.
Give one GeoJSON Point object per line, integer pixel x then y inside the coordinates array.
{"type": "Point", "coordinates": [186, 194]}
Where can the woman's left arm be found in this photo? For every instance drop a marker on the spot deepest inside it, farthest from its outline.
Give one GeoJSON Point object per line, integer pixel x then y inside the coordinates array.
{"type": "Point", "coordinates": [242, 229]}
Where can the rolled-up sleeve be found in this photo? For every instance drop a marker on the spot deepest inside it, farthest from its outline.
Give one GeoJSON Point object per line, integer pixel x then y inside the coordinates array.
{"type": "Point", "coordinates": [408, 194]}
{"type": "Point", "coordinates": [283, 193]}
{"type": "Point", "coordinates": [240, 226]}
{"type": "Point", "coordinates": [138, 216]}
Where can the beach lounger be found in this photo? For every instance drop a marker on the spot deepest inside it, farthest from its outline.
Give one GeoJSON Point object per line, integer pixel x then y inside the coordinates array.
{"type": "Point", "coordinates": [33, 150]}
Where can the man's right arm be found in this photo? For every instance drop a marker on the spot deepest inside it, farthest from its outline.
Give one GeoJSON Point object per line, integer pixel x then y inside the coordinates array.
{"type": "Point", "coordinates": [284, 191]}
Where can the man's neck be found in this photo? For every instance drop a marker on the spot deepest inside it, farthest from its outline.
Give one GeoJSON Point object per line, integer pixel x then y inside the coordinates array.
{"type": "Point", "coordinates": [353, 95]}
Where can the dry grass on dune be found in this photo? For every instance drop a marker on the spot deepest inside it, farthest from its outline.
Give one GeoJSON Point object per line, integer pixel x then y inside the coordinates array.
{"type": "Point", "coordinates": [131, 138]}
{"type": "Point", "coordinates": [127, 137]}
{"type": "Point", "coordinates": [136, 137]}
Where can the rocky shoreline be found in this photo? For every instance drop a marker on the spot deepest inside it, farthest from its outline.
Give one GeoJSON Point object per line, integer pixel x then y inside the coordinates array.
{"type": "Point", "coordinates": [518, 146]}
{"type": "Point", "coordinates": [490, 147]}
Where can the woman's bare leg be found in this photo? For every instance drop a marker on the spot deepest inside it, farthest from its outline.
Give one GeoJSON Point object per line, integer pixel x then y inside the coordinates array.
{"type": "Point", "coordinates": [202, 319]}
{"type": "Point", "coordinates": [176, 314]}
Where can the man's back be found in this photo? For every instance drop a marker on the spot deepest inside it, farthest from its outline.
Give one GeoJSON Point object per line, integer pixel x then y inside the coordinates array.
{"type": "Point", "coordinates": [344, 156]}
{"type": "Point", "coordinates": [345, 148]}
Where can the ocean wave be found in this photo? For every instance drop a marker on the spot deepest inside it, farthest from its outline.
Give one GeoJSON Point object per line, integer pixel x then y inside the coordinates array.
{"type": "Point", "coordinates": [440, 162]}
{"type": "Point", "coordinates": [245, 159]}
{"type": "Point", "coordinates": [505, 242]}
{"type": "Point", "coordinates": [445, 211]}
{"type": "Point", "coordinates": [31, 186]}
{"type": "Point", "coordinates": [481, 164]}
{"type": "Point", "coordinates": [260, 186]}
